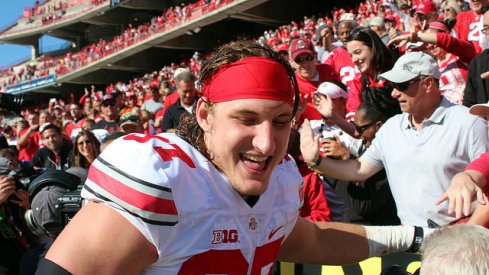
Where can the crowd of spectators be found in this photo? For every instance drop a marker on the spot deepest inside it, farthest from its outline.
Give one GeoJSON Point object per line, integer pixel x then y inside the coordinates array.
{"type": "Point", "coordinates": [345, 65]}
{"type": "Point", "coordinates": [50, 11]}
{"type": "Point", "coordinates": [169, 19]}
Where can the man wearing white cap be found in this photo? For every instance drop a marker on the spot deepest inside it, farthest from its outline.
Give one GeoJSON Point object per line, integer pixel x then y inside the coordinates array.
{"type": "Point", "coordinates": [421, 149]}
{"type": "Point", "coordinates": [335, 143]}
{"type": "Point", "coordinates": [337, 91]}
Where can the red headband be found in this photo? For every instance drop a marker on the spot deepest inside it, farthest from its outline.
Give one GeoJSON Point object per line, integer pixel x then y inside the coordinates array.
{"type": "Point", "coordinates": [252, 77]}
{"type": "Point", "coordinates": [439, 26]}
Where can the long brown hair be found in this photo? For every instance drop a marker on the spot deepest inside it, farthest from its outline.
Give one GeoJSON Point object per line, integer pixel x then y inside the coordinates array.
{"type": "Point", "coordinates": [79, 160]}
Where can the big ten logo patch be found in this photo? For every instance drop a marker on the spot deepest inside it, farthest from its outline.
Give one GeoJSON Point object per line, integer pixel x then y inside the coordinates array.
{"type": "Point", "coordinates": [225, 236]}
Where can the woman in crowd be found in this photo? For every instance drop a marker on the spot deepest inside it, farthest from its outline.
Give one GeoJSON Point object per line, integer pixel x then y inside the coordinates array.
{"type": "Point", "coordinates": [86, 149]}
{"type": "Point", "coordinates": [372, 58]}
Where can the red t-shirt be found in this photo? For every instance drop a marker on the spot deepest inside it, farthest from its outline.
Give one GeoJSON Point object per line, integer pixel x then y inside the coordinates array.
{"type": "Point", "coordinates": [355, 95]}
{"type": "Point", "coordinates": [170, 99]}
{"type": "Point", "coordinates": [34, 142]}
{"type": "Point", "coordinates": [315, 207]}
{"type": "Point", "coordinates": [350, 75]}
{"type": "Point", "coordinates": [468, 27]}
{"type": "Point", "coordinates": [341, 61]}
{"type": "Point", "coordinates": [306, 87]}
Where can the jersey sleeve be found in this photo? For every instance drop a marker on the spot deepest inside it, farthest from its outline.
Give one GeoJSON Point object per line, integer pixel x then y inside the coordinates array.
{"type": "Point", "coordinates": [315, 206]}
{"type": "Point", "coordinates": [481, 165]}
{"type": "Point", "coordinates": [135, 173]}
{"type": "Point", "coordinates": [354, 99]}
{"type": "Point", "coordinates": [459, 47]}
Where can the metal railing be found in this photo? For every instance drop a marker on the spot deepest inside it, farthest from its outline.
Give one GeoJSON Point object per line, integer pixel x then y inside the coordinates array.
{"type": "Point", "coordinates": [26, 23]}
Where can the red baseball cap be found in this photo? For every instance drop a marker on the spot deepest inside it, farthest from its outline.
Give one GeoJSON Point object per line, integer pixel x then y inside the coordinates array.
{"type": "Point", "coordinates": [283, 47]}
{"type": "Point", "coordinates": [425, 7]}
{"type": "Point", "coordinates": [390, 18]}
{"type": "Point", "coordinates": [107, 98]}
{"type": "Point", "coordinates": [300, 46]}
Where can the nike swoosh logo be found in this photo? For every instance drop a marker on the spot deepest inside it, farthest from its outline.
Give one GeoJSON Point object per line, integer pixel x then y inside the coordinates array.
{"type": "Point", "coordinates": [274, 231]}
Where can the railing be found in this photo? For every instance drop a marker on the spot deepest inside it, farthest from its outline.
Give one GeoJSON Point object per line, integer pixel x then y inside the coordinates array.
{"type": "Point", "coordinates": [26, 22]}
{"type": "Point", "coordinates": [14, 22]}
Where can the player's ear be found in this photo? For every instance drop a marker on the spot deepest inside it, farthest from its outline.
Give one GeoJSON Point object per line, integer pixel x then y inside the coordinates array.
{"type": "Point", "coordinates": [203, 115]}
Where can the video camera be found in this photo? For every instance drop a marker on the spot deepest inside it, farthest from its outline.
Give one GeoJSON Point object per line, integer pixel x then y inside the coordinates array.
{"type": "Point", "coordinates": [55, 199]}
{"type": "Point", "coordinates": [71, 203]}
{"type": "Point", "coordinates": [23, 176]}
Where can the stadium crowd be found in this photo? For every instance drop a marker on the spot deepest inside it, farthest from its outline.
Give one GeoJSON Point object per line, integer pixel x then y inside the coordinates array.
{"type": "Point", "coordinates": [50, 11]}
{"type": "Point", "coordinates": [45, 65]}
{"type": "Point", "coordinates": [391, 128]}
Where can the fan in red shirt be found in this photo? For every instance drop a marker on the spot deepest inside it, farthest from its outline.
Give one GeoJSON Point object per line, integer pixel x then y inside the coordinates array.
{"type": "Point", "coordinates": [372, 58]}
{"type": "Point", "coordinates": [29, 138]}
{"type": "Point", "coordinates": [303, 59]}
{"type": "Point", "coordinates": [341, 61]}
{"type": "Point", "coordinates": [469, 23]}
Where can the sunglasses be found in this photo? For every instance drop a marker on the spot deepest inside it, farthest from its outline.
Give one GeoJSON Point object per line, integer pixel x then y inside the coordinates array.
{"type": "Point", "coordinates": [361, 129]}
{"type": "Point", "coordinates": [354, 33]}
{"type": "Point", "coordinates": [302, 59]}
{"type": "Point", "coordinates": [84, 142]}
{"type": "Point", "coordinates": [403, 86]}
{"type": "Point", "coordinates": [108, 104]}
{"type": "Point", "coordinates": [447, 10]}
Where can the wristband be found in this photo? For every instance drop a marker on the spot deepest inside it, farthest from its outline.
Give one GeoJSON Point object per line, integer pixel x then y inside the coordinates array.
{"type": "Point", "coordinates": [388, 239]}
{"type": "Point", "coordinates": [417, 240]}
{"type": "Point", "coordinates": [316, 163]}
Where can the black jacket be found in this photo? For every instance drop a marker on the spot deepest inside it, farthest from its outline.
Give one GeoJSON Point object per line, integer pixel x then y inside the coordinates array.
{"type": "Point", "coordinates": [172, 116]}
{"type": "Point", "coordinates": [476, 88]}
{"type": "Point", "coordinates": [370, 203]}
{"type": "Point", "coordinates": [46, 158]}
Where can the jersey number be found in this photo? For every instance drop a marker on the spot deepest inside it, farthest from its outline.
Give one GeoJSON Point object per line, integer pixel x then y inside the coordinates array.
{"type": "Point", "coordinates": [232, 262]}
{"type": "Point", "coordinates": [474, 31]}
{"type": "Point", "coordinates": [165, 154]}
{"type": "Point", "coordinates": [347, 74]}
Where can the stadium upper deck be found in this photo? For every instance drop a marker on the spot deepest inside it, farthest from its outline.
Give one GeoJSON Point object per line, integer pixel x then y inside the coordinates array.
{"type": "Point", "coordinates": [208, 25]}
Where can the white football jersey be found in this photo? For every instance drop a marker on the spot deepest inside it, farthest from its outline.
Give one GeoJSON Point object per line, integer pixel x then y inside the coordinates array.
{"type": "Point", "coordinates": [189, 211]}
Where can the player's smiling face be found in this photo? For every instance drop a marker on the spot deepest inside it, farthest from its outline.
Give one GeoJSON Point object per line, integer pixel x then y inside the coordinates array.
{"type": "Point", "coordinates": [246, 138]}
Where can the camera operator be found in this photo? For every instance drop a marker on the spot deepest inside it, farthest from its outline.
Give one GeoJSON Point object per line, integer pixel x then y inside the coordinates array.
{"type": "Point", "coordinates": [55, 198]}
{"type": "Point", "coordinates": [13, 233]}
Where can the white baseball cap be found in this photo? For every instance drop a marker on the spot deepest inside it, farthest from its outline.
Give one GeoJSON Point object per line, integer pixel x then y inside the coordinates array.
{"type": "Point", "coordinates": [332, 90]}
{"type": "Point", "coordinates": [347, 16]}
{"type": "Point", "coordinates": [411, 65]}
{"type": "Point", "coordinates": [377, 21]}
